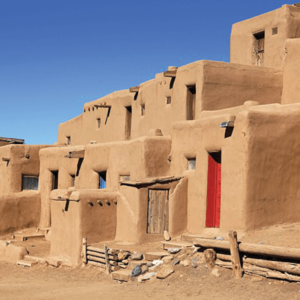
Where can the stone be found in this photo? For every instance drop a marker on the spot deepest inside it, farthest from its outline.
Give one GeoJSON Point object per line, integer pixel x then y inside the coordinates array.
{"type": "Point", "coordinates": [219, 238]}
{"type": "Point", "coordinates": [137, 270]}
{"type": "Point", "coordinates": [168, 259]}
{"type": "Point", "coordinates": [146, 276]}
{"type": "Point", "coordinates": [121, 275]}
{"type": "Point", "coordinates": [155, 255]}
{"type": "Point", "coordinates": [185, 263]}
{"type": "Point", "coordinates": [137, 256]}
{"type": "Point", "coordinates": [144, 268]}
{"type": "Point", "coordinates": [26, 263]}
{"type": "Point", "coordinates": [167, 236]}
{"type": "Point", "coordinates": [164, 272]}
{"type": "Point", "coordinates": [157, 263]}
{"type": "Point", "coordinates": [216, 272]}
{"type": "Point", "coordinates": [123, 255]}
{"type": "Point", "coordinates": [174, 250]}
{"type": "Point", "coordinates": [194, 262]}
{"type": "Point", "coordinates": [175, 261]}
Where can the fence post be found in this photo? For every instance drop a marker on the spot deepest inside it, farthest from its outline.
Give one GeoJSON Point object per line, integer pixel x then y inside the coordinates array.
{"type": "Point", "coordinates": [106, 259]}
{"type": "Point", "coordinates": [84, 246]}
{"type": "Point", "coordinates": [235, 255]}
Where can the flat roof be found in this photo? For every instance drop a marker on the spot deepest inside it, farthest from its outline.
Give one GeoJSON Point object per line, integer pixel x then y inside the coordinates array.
{"type": "Point", "coordinates": [12, 140]}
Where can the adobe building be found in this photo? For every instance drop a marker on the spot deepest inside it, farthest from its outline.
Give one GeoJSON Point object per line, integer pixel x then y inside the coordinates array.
{"type": "Point", "coordinates": [206, 146]}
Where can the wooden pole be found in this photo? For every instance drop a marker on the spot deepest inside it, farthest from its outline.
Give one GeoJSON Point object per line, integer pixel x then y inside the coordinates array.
{"type": "Point", "coordinates": [106, 259]}
{"type": "Point", "coordinates": [235, 255]}
{"type": "Point", "coordinates": [84, 246]}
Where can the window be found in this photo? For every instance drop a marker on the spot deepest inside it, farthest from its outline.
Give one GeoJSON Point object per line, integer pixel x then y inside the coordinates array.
{"type": "Point", "coordinates": [68, 140]}
{"type": "Point", "coordinates": [30, 182]}
{"type": "Point", "coordinates": [142, 109]}
{"type": "Point", "coordinates": [128, 118]}
{"type": "Point", "coordinates": [102, 180]}
{"type": "Point", "coordinates": [54, 180]}
{"type": "Point", "coordinates": [191, 163]}
{"type": "Point", "coordinates": [258, 48]}
{"type": "Point", "coordinates": [124, 178]}
{"type": "Point", "coordinates": [169, 100]}
{"type": "Point", "coordinates": [72, 180]}
{"type": "Point", "coordinates": [98, 123]}
{"type": "Point", "coordinates": [191, 102]}
{"type": "Point", "coordinates": [274, 30]}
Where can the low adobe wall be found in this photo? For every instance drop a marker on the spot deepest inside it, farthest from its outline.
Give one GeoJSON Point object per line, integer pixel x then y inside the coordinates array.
{"type": "Point", "coordinates": [19, 210]}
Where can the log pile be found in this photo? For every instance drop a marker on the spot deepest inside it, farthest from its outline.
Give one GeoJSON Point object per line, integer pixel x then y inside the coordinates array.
{"type": "Point", "coordinates": [269, 261]}
{"type": "Point", "coordinates": [109, 259]}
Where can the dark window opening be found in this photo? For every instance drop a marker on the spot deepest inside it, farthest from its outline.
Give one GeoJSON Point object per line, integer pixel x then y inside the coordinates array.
{"type": "Point", "coordinates": [72, 181]}
{"type": "Point", "coordinates": [172, 82]}
{"type": "Point", "coordinates": [98, 123]}
{"type": "Point", "coordinates": [54, 180]}
{"type": "Point", "coordinates": [274, 30]}
{"type": "Point", "coordinates": [191, 102]}
{"type": "Point", "coordinates": [102, 180]}
{"type": "Point", "coordinates": [228, 132]}
{"type": "Point", "coordinates": [191, 163]}
{"type": "Point", "coordinates": [136, 96]}
{"type": "Point", "coordinates": [68, 140]}
{"type": "Point", "coordinates": [128, 119]}
{"type": "Point", "coordinates": [258, 48]}
{"type": "Point", "coordinates": [143, 109]}
{"type": "Point", "coordinates": [30, 182]}
{"type": "Point", "coordinates": [216, 156]}
{"type": "Point", "coordinates": [169, 100]}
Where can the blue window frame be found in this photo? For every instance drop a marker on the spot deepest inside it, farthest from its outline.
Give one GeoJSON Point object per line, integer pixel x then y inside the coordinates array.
{"type": "Point", "coordinates": [30, 182]}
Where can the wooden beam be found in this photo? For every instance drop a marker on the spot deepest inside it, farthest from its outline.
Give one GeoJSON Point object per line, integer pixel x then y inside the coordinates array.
{"type": "Point", "coordinates": [134, 89]}
{"type": "Point", "coordinates": [5, 159]}
{"type": "Point", "coordinates": [76, 154]}
{"type": "Point", "coordinates": [235, 255]}
{"type": "Point", "coordinates": [102, 106]}
{"type": "Point", "coordinates": [84, 252]}
{"type": "Point", "coordinates": [170, 73]}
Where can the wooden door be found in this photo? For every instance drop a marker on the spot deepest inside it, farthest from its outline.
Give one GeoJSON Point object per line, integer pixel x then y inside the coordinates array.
{"type": "Point", "coordinates": [213, 208]}
{"type": "Point", "coordinates": [158, 211]}
{"type": "Point", "coordinates": [191, 102]}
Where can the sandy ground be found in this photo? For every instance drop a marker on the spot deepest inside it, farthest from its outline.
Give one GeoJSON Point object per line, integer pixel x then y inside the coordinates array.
{"type": "Point", "coordinates": [47, 282]}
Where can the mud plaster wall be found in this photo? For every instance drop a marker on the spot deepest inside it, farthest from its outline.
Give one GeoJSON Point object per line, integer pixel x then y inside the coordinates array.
{"type": "Point", "coordinates": [291, 85]}
{"type": "Point", "coordinates": [274, 162]}
{"type": "Point", "coordinates": [286, 19]}
{"type": "Point", "coordinates": [19, 210]}
{"type": "Point", "coordinates": [195, 139]}
{"type": "Point", "coordinates": [84, 219]}
{"type": "Point", "coordinates": [218, 85]}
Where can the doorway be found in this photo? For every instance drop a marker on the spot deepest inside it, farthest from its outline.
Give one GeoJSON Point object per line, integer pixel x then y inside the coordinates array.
{"type": "Point", "coordinates": [191, 102]}
{"type": "Point", "coordinates": [158, 211]}
{"type": "Point", "coordinates": [213, 207]}
{"type": "Point", "coordinates": [258, 48]}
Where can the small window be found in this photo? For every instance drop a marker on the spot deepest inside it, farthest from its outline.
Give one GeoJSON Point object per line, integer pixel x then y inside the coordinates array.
{"type": "Point", "coordinates": [274, 30]}
{"type": "Point", "coordinates": [169, 100]}
{"type": "Point", "coordinates": [72, 181]}
{"type": "Point", "coordinates": [124, 178]}
{"type": "Point", "coordinates": [98, 123]}
{"type": "Point", "coordinates": [54, 180]}
{"type": "Point", "coordinates": [191, 102]}
{"type": "Point", "coordinates": [191, 164]}
{"type": "Point", "coordinates": [30, 182]}
{"type": "Point", "coordinates": [102, 180]}
{"type": "Point", "coordinates": [68, 140]}
{"type": "Point", "coordinates": [142, 109]}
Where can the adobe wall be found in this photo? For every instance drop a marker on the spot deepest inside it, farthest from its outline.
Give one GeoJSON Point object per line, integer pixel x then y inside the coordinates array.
{"type": "Point", "coordinates": [286, 19]}
{"type": "Point", "coordinates": [291, 85]}
{"type": "Point", "coordinates": [19, 211]}
{"type": "Point", "coordinates": [23, 160]}
{"type": "Point", "coordinates": [273, 179]}
{"type": "Point", "coordinates": [195, 139]}
{"type": "Point", "coordinates": [218, 86]}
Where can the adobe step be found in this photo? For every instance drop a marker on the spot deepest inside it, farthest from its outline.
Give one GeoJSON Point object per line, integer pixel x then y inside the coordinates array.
{"type": "Point", "coordinates": [176, 244]}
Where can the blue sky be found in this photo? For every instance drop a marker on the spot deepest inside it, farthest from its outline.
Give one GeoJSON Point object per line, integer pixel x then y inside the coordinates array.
{"type": "Point", "coordinates": [56, 55]}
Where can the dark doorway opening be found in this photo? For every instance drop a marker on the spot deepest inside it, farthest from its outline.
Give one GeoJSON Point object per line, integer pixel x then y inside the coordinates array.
{"type": "Point", "coordinates": [54, 180]}
{"type": "Point", "coordinates": [191, 102]}
{"type": "Point", "coordinates": [258, 48]}
{"type": "Point", "coordinates": [128, 119]}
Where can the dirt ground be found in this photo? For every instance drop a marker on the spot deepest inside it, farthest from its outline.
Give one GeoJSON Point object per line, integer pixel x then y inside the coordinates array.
{"type": "Point", "coordinates": [47, 282]}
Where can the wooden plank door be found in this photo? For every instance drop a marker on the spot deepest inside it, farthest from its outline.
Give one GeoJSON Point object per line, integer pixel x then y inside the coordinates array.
{"type": "Point", "coordinates": [158, 211]}
{"type": "Point", "coordinates": [213, 208]}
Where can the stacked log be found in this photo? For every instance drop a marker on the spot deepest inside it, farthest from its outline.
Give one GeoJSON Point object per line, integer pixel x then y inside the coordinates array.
{"type": "Point", "coordinates": [269, 268]}
{"type": "Point", "coordinates": [109, 259]}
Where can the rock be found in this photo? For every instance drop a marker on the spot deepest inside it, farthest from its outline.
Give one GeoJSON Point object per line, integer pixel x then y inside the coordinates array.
{"type": "Point", "coordinates": [167, 236]}
{"type": "Point", "coordinates": [164, 272]}
{"type": "Point", "coordinates": [168, 259]}
{"type": "Point", "coordinates": [174, 250]}
{"type": "Point", "coordinates": [261, 243]}
{"type": "Point", "coordinates": [197, 259]}
{"type": "Point", "coordinates": [123, 275]}
{"type": "Point", "coordinates": [194, 262]}
{"type": "Point", "coordinates": [155, 255]}
{"type": "Point", "coordinates": [122, 255]}
{"type": "Point", "coordinates": [146, 276]}
{"type": "Point", "coordinates": [175, 261]}
{"type": "Point", "coordinates": [156, 263]}
{"type": "Point", "coordinates": [216, 272]}
{"type": "Point", "coordinates": [144, 268]}
{"type": "Point", "coordinates": [219, 238]}
{"type": "Point", "coordinates": [256, 279]}
{"type": "Point", "coordinates": [137, 256]}
{"type": "Point", "coordinates": [137, 270]}
{"type": "Point", "coordinates": [185, 263]}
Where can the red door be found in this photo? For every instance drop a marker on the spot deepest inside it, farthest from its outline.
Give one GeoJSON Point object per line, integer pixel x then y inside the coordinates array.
{"type": "Point", "coordinates": [213, 207]}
